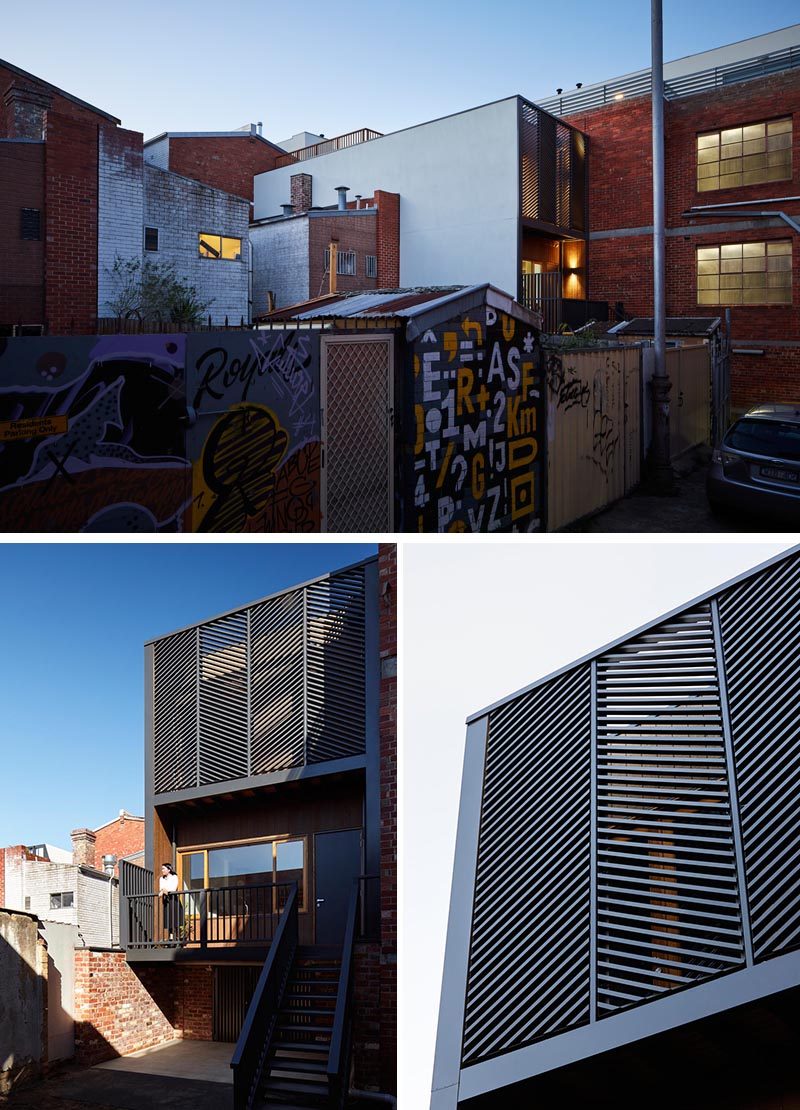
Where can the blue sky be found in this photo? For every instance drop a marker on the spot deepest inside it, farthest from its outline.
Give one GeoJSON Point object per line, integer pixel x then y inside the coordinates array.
{"type": "Point", "coordinates": [332, 68]}
{"type": "Point", "coordinates": [74, 621]}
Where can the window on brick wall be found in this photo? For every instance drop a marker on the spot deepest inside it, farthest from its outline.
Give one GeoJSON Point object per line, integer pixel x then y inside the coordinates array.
{"type": "Point", "coordinates": [371, 266]}
{"type": "Point", "coordinates": [220, 247]}
{"type": "Point", "coordinates": [151, 238]}
{"type": "Point", "coordinates": [30, 223]}
{"type": "Point", "coordinates": [745, 273]}
{"type": "Point", "coordinates": [345, 262]}
{"type": "Point", "coordinates": [748, 155]}
{"type": "Point", "coordinates": [63, 901]}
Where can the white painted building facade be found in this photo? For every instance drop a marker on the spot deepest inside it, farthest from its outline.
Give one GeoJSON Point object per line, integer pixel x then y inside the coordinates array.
{"type": "Point", "coordinates": [458, 180]}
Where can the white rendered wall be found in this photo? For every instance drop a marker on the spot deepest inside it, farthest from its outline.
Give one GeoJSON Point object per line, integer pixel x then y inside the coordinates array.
{"type": "Point", "coordinates": [181, 208]}
{"type": "Point", "coordinates": [280, 263]}
{"type": "Point", "coordinates": [459, 193]}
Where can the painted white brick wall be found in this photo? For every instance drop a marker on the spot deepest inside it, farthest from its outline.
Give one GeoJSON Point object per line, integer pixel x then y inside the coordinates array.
{"type": "Point", "coordinates": [181, 208]}
{"type": "Point", "coordinates": [157, 154]}
{"type": "Point", "coordinates": [280, 262]}
{"type": "Point", "coordinates": [120, 207]}
{"type": "Point", "coordinates": [90, 907]}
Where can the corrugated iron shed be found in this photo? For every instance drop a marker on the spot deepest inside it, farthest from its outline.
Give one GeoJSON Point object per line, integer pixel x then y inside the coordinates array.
{"type": "Point", "coordinates": [702, 326]}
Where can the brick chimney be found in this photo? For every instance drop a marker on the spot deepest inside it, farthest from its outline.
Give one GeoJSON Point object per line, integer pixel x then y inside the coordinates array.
{"type": "Point", "coordinates": [300, 191]}
{"type": "Point", "coordinates": [25, 110]}
{"type": "Point", "coordinates": [83, 841]}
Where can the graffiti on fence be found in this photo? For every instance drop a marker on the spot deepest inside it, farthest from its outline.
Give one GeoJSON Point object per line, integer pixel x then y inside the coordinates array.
{"type": "Point", "coordinates": [91, 434]}
{"type": "Point", "coordinates": [570, 390]}
{"type": "Point", "coordinates": [478, 398]}
{"type": "Point", "coordinates": [256, 442]}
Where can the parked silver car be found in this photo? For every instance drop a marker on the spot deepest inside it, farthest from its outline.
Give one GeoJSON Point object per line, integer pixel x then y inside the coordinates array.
{"type": "Point", "coordinates": [757, 467]}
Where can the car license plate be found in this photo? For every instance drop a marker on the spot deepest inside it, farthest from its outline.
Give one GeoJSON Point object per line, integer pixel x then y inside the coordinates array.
{"type": "Point", "coordinates": [778, 474]}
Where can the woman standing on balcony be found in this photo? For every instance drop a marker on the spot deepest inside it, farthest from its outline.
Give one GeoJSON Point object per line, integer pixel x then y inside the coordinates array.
{"type": "Point", "coordinates": [170, 901]}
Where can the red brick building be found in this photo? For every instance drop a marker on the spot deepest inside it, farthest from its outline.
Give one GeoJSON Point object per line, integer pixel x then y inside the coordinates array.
{"type": "Point", "coordinates": [226, 160]}
{"type": "Point", "coordinates": [732, 171]}
{"type": "Point", "coordinates": [123, 837]}
{"type": "Point", "coordinates": [292, 251]}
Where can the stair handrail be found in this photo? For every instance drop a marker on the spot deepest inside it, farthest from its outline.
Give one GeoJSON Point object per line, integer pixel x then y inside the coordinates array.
{"type": "Point", "coordinates": [255, 1040]}
{"type": "Point", "coordinates": [341, 1035]}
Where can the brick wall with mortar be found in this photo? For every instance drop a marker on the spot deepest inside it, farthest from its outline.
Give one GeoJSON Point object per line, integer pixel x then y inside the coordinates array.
{"type": "Point", "coordinates": [280, 262]}
{"type": "Point", "coordinates": [122, 837]}
{"type": "Point", "coordinates": [71, 224]}
{"type": "Point", "coordinates": [21, 186]}
{"type": "Point", "coordinates": [181, 209]}
{"type": "Point", "coordinates": [54, 100]}
{"type": "Point", "coordinates": [228, 163]}
{"type": "Point", "coordinates": [620, 267]}
{"type": "Point", "coordinates": [120, 207]}
{"type": "Point", "coordinates": [388, 239]}
{"type": "Point", "coordinates": [354, 233]}
{"type": "Point", "coordinates": [121, 1008]}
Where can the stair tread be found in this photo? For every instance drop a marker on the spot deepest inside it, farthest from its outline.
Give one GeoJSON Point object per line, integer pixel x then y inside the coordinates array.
{"type": "Point", "coordinates": [306, 1011]}
{"type": "Point", "coordinates": [302, 1046]}
{"type": "Point", "coordinates": [287, 1063]}
{"type": "Point", "coordinates": [292, 1086]}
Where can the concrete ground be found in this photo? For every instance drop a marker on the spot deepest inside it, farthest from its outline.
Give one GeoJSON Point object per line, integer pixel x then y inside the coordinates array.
{"type": "Point", "coordinates": [687, 511]}
{"type": "Point", "coordinates": [184, 1075]}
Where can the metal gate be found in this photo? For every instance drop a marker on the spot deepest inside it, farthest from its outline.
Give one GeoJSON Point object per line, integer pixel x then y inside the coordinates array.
{"type": "Point", "coordinates": [233, 989]}
{"type": "Point", "coordinates": [357, 420]}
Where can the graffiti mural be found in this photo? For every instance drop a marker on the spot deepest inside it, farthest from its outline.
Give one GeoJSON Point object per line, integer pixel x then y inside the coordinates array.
{"type": "Point", "coordinates": [256, 440]}
{"type": "Point", "coordinates": [478, 451]}
{"type": "Point", "coordinates": [92, 434]}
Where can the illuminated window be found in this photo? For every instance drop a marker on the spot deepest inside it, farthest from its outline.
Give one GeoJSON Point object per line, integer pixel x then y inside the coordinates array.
{"type": "Point", "coordinates": [220, 247]}
{"type": "Point", "coordinates": [745, 273]}
{"type": "Point", "coordinates": [748, 155]}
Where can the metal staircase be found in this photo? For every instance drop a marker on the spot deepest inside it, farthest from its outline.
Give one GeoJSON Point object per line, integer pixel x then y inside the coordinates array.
{"type": "Point", "coordinates": [297, 1073]}
{"type": "Point", "coordinates": [295, 1047]}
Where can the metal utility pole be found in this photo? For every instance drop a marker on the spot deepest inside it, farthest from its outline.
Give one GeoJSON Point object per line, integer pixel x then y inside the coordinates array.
{"type": "Point", "coordinates": [660, 466]}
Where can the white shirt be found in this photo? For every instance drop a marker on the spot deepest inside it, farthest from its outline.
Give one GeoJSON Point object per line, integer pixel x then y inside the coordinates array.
{"type": "Point", "coordinates": [167, 884]}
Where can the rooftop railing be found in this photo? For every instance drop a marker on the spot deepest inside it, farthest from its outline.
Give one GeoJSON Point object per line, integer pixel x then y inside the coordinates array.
{"type": "Point", "coordinates": [639, 83]}
{"type": "Point", "coordinates": [328, 146]}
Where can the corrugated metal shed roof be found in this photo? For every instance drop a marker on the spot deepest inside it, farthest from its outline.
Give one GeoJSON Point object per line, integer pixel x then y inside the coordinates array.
{"type": "Point", "coordinates": [390, 303]}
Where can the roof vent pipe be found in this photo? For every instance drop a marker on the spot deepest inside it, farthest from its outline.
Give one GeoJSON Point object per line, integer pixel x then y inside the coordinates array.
{"type": "Point", "coordinates": [342, 191]}
{"type": "Point", "coordinates": [260, 127]}
{"type": "Point", "coordinates": [288, 209]}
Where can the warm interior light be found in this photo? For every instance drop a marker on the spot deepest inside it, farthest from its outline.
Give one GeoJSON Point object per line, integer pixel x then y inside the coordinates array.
{"type": "Point", "coordinates": [619, 96]}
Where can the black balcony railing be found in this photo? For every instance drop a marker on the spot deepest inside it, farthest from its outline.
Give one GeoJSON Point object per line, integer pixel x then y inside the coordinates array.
{"type": "Point", "coordinates": [207, 918]}
{"type": "Point", "coordinates": [542, 293]}
{"type": "Point", "coordinates": [254, 1047]}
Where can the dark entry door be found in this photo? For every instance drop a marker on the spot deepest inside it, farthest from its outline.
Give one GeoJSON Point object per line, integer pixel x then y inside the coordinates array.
{"type": "Point", "coordinates": [338, 863]}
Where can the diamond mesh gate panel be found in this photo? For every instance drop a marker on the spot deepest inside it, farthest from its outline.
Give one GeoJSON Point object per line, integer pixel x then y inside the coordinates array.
{"type": "Point", "coordinates": [278, 708]}
{"type": "Point", "coordinates": [336, 703]}
{"type": "Point", "coordinates": [278, 684]}
{"type": "Point", "coordinates": [667, 897]}
{"type": "Point", "coordinates": [529, 953]}
{"type": "Point", "coordinates": [760, 627]}
{"type": "Point", "coordinates": [357, 436]}
{"type": "Point", "coordinates": [175, 712]}
{"type": "Point", "coordinates": [223, 699]}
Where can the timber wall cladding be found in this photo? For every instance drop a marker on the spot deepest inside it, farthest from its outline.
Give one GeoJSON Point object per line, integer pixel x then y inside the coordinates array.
{"type": "Point", "coordinates": [278, 684]}
{"type": "Point", "coordinates": [678, 742]}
